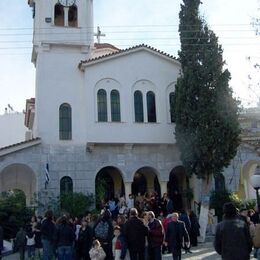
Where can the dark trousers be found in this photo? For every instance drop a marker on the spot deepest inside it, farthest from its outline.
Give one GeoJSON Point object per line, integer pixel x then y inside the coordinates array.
{"type": "Point", "coordinates": [136, 255]}
{"type": "Point", "coordinates": [176, 254]}
{"type": "Point", "coordinates": [155, 253]}
{"type": "Point", "coordinates": [108, 250]}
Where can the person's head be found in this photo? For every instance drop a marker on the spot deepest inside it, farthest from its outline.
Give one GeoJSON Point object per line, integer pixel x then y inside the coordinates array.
{"type": "Point", "coordinates": [39, 219]}
{"type": "Point", "coordinates": [175, 216]}
{"type": "Point", "coordinates": [84, 222]}
{"type": "Point", "coordinates": [96, 243]}
{"type": "Point", "coordinates": [106, 215]}
{"type": "Point", "coordinates": [251, 212]}
{"type": "Point", "coordinates": [133, 212]}
{"type": "Point", "coordinates": [33, 219]}
{"type": "Point", "coordinates": [63, 220]}
{"type": "Point", "coordinates": [121, 219]}
{"type": "Point", "coordinates": [229, 210]}
{"type": "Point", "coordinates": [130, 196]}
{"type": "Point", "coordinates": [151, 215]}
{"type": "Point", "coordinates": [49, 214]}
{"type": "Point", "coordinates": [117, 231]}
{"type": "Point", "coordinates": [145, 215]}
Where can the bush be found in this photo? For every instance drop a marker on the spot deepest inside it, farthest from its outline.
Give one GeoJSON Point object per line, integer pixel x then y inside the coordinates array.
{"type": "Point", "coordinates": [76, 204]}
{"type": "Point", "coordinates": [218, 198]}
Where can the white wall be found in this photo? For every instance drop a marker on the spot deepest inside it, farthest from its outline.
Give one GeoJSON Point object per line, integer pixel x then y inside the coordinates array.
{"type": "Point", "coordinates": [59, 80]}
{"type": "Point", "coordinates": [140, 70]}
{"type": "Point", "coordinates": [12, 129]}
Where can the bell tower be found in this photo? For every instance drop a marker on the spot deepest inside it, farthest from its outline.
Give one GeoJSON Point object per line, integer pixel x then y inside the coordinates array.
{"type": "Point", "coordinates": [62, 22]}
{"type": "Point", "coordinates": [63, 36]}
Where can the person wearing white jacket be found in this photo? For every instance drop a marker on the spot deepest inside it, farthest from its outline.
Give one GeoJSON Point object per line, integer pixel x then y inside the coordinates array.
{"type": "Point", "coordinates": [97, 252]}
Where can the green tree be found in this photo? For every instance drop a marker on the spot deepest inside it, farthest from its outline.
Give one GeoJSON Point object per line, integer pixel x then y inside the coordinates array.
{"type": "Point", "coordinates": [13, 212]}
{"type": "Point", "coordinates": [76, 203]}
{"type": "Point", "coordinates": [205, 112]}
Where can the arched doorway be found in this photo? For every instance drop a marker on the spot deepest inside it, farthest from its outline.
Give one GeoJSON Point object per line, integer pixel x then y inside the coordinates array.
{"type": "Point", "coordinates": [176, 187]}
{"type": "Point", "coordinates": [108, 184]}
{"type": "Point", "coordinates": [19, 177]}
{"type": "Point", "coordinates": [146, 180]}
{"type": "Point", "coordinates": [246, 191]}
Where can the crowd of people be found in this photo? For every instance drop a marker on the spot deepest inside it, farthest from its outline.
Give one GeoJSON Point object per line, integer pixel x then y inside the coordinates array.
{"type": "Point", "coordinates": [139, 228]}
{"type": "Point", "coordinates": [123, 230]}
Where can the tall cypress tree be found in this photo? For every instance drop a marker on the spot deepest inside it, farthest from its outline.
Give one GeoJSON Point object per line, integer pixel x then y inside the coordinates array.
{"type": "Point", "coordinates": [206, 114]}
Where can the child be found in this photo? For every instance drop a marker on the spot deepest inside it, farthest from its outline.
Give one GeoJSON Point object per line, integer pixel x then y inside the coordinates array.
{"type": "Point", "coordinates": [30, 236]}
{"type": "Point", "coordinates": [118, 244]}
{"type": "Point", "coordinates": [97, 252]}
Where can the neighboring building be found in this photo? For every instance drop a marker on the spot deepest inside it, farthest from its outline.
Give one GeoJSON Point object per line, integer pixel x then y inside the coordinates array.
{"type": "Point", "coordinates": [99, 113]}
{"type": "Point", "coordinates": [237, 175]}
{"type": "Point", "coordinates": [12, 128]}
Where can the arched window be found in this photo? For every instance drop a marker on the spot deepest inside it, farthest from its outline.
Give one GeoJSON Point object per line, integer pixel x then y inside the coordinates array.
{"type": "Point", "coordinates": [102, 105]}
{"type": "Point", "coordinates": [171, 102]}
{"type": "Point", "coordinates": [73, 16]}
{"type": "Point", "coordinates": [65, 122]}
{"type": "Point", "coordinates": [151, 108]}
{"type": "Point", "coordinates": [138, 104]}
{"type": "Point", "coordinates": [66, 185]}
{"type": "Point", "coordinates": [59, 15]}
{"type": "Point", "coordinates": [115, 106]}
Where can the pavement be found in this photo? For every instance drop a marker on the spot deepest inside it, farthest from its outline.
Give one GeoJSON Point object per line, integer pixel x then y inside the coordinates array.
{"type": "Point", "coordinates": [204, 251]}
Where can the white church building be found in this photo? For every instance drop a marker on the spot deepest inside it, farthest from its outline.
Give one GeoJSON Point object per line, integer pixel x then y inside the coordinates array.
{"type": "Point", "coordinates": [99, 112]}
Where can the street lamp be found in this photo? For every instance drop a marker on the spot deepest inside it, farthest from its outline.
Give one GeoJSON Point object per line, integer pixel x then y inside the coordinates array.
{"type": "Point", "coordinates": [255, 181]}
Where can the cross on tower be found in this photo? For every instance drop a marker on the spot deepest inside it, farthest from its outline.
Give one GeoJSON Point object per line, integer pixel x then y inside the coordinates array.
{"type": "Point", "coordinates": [98, 34]}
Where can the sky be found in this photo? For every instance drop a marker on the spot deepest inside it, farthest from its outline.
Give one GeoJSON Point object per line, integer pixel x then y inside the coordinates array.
{"type": "Point", "coordinates": [128, 23]}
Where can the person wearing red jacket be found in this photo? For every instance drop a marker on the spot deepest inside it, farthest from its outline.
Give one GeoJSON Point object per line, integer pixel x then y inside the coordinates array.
{"type": "Point", "coordinates": [155, 237]}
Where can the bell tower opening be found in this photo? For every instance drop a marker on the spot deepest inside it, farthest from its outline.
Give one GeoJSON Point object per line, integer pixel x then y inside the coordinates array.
{"type": "Point", "coordinates": [73, 16]}
{"type": "Point", "coordinates": [58, 15]}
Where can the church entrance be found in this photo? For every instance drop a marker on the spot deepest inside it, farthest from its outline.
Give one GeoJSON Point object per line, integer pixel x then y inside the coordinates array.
{"type": "Point", "coordinates": [108, 184]}
{"type": "Point", "coordinates": [176, 187]}
{"type": "Point", "coordinates": [19, 177]}
{"type": "Point", "coordinates": [146, 181]}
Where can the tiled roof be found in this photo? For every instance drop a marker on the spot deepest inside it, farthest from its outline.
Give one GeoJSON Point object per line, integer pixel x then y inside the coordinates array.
{"type": "Point", "coordinates": [21, 143]}
{"type": "Point", "coordinates": [105, 45]}
{"type": "Point", "coordinates": [118, 53]}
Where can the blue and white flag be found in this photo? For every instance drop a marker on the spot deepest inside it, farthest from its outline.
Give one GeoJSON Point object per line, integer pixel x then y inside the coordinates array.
{"type": "Point", "coordinates": [47, 177]}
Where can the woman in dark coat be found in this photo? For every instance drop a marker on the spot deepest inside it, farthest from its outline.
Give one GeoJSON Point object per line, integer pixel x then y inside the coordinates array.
{"type": "Point", "coordinates": [194, 229]}
{"type": "Point", "coordinates": [85, 240]}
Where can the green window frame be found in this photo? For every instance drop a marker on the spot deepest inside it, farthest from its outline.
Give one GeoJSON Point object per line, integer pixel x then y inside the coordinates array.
{"type": "Point", "coordinates": [151, 107]}
{"type": "Point", "coordinates": [65, 122]}
{"type": "Point", "coordinates": [171, 103]}
{"type": "Point", "coordinates": [102, 105]}
{"type": "Point", "coordinates": [115, 106]}
{"type": "Point", "coordinates": [138, 106]}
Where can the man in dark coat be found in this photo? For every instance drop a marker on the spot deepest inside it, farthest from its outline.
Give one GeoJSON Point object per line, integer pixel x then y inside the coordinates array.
{"type": "Point", "coordinates": [48, 230]}
{"type": "Point", "coordinates": [135, 233]}
{"type": "Point", "coordinates": [176, 236]}
{"type": "Point", "coordinates": [232, 240]}
{"type": "Point", "coordinates": [64, 238]}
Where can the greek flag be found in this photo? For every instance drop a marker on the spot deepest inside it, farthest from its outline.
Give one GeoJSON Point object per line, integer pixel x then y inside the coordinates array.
{"type": "Point", "coordinates": [47, 177]}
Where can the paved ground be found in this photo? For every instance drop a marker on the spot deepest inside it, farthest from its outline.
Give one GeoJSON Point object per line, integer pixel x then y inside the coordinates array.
{"type": "Point", "coordinates": [204, 251]}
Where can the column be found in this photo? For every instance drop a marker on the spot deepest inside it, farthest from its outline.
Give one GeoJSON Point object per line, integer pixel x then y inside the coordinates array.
{"type": "Point", "coordinates": [128, 189]}
{"type": "Point", "coordinates": [163, 187]}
